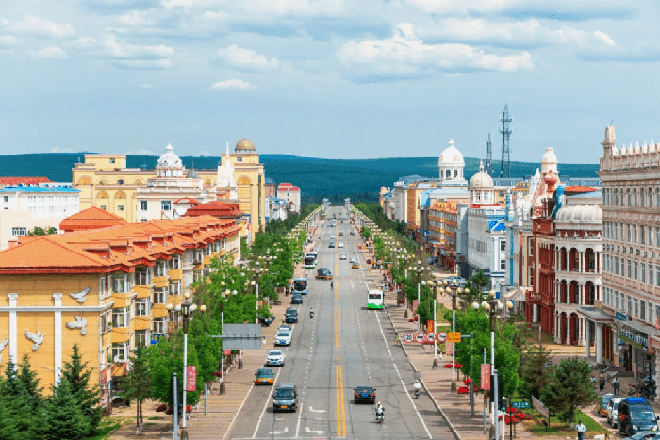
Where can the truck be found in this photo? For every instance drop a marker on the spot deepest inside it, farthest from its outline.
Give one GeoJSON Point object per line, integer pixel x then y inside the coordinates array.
{"type": "Point", "coordinates": [300, 286]}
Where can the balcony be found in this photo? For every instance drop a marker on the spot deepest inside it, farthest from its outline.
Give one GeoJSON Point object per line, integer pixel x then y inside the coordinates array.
{"type": "Point", "coordinates": [175, 274]}
{"type": "Point", "coordinates": [533, 297]}
{"type": "Point", "coordinates": [162, 281]}
{"type": "Point", "coordinates": [143, 291]}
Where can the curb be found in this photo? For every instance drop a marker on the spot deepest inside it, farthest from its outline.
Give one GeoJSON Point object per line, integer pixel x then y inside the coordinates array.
{"type": "Point", "coordinates": [435, 402]}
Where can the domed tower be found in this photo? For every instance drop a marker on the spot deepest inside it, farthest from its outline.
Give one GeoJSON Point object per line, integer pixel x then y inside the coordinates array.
{"type": "Point", "coordinates": [226, 178]}
{"type": "Point", "coordinates": [451, 164]}
{"type": "Point", "coordinates": [245, 146]}
{"type": "Point", "coordinates": [549, 162]}
{"type": "Point", "coordinates": [169, 164]}
{"type": "Point", "coordinates": [482, 190]}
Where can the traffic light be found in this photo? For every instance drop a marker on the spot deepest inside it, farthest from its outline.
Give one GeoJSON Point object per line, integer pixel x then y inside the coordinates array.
{"type": "Point", "coordinates": [492, 387]}
{"type": "Point", "coordinates": [502, 405]}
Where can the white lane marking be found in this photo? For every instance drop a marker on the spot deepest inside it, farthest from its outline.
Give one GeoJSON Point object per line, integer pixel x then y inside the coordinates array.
{"type": "Point", "coordinates": [401, 379]}
{"type": "Point", "coordinates": [316, 410]}
{"type": "Point", "coordinates": [238, 412]}
{"type": "Point", "coordinates": [270, 395]}
{"type": "Point", "coordinates": [299, 418]}
{"type": "Point", "coordinates": [286, 430]}
{"type": "Point", "coordinates": [307, 430]}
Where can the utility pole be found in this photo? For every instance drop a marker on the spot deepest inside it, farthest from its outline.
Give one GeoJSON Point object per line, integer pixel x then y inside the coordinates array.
{"type": "Point", "coordinates": [488, 166]}
{"type": "Point", "coordinates": [506, 134]}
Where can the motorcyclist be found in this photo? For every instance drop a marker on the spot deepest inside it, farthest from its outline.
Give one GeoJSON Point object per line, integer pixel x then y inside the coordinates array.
{"type": "Point", "coordinates": [380, 410]}
{"type": "Point", "coordinates": [417, 386]}
{"type": "Point", "coordinates": [311, 312]}
{"type": "Point", "coordinates": [332, 283]}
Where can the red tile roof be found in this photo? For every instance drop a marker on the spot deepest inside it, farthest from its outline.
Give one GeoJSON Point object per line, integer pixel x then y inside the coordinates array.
{"type": "Point", "coordinates": [218, 209]}
{"type": "Point", "coordinates": [187, 201]}
{"type": "Point", "coordinates": [576, 189]}
{"type": "Point", "coordinates": [91, 218]}
{"type": "Point", "coordinates": [25, 180]}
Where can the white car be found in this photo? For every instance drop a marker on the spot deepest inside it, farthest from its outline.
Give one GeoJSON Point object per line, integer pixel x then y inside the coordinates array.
{"type": "Point", "coordinates": [340, 244]}
{"type": "Point", "coordinates": [275, 358]}
{"type": "Point", "coordinates": [342, 256]}
{"type": "Point", "coordinates": [283, 338]}
{"type": "Point", "coordinates": [332, 237]}
{"type": "Point", "coordinates": [613, 411]}
{"type": "Point", "coordinates": [284, 328]}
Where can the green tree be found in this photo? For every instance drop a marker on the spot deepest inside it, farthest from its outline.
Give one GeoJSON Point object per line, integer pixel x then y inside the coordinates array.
{"type": "Point", "coordinates": [63, 416]}
{"type": "Point", "coordinates": [20, 403]}
{"type": "Point", "coordinates": [87, 396]}
{"type": "Point", "coordinates": [137, 385]}
{"type": "Point", "coordinates": [535, 375]}
{"type": "Point", "coordinates": [569, 388]}
{"type": "Point", "coordinates": [37, 231]}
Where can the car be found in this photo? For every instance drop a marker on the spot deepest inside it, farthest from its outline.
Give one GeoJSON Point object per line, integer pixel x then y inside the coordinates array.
{"type": "Point", "coordinates": [283, 338]}
{"type": "Point", "coordinates": [285, 327]}
{"type": "Point", "coordinates": [353, 260]}
{"type": "Point", "coordinates": [341, 234]}
{"type": "Point", "coordinates": [352, 232]}
{"type": "Point", "coordinates": [323, 274]}
{"type": "Point", "coordinates": [275, 358]}
{"type": "Point", "coordinates": [291, 315]}
{"type": "Point", "coordinates": [285, 398]}
{"type": "Point", "coordinates": [604, 399]}
{"type": "Point", "coordinates": [365, 393]}
{"type": "Point", "coordinates": [636, 415]}
{"type": "Point", "coordinates": [613, 411]}
{"type": "Point", "coordinates": [340, 244]}
{"type": "Point", "coordinates": [644, 436]}
{"type": "Point", "coordinates": [342, 256]}
{"type": "Point", "coordinates": [264, 376]}
{"type": "Point", "coordinates": [332, 237]}
{"type": "Point", "coordinates": [355, 265]}
{"type": "Point", "coordinates": [296, 299]}
{"type": "Point", "coordinates": [331, 245]}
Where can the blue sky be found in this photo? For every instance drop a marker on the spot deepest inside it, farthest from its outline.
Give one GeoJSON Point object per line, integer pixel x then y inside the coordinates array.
{"type": "Point", "coordinates": [332, 78]}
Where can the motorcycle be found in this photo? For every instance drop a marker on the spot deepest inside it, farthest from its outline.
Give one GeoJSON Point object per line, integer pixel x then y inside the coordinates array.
{"type": "Point", "coordinates": [417, 387]}
{"type": "Point", "coordinates": [380, 414]}
{"type": "Point", "coordinates": [311, 313]}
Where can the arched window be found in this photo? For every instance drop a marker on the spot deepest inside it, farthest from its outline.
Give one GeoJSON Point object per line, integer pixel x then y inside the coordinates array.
{"type": "Point", "coordinates": [448, 174]}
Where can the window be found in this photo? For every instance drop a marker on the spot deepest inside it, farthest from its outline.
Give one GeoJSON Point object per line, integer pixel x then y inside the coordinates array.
{"type": "Point", "coordinates": [503, 264]}
{"type": "Point", "coordinates": [104, 207]}
{"type": "Point", "coordinates": [160, 295]}
{"type": "Point", "coordinates": [628, 229]}
{"type": "Point", "coordinates": [119, 284]}
{"type": "Point", "coordinates": [119, 352]}
{"type": "Point", "coordinates": [141, 338]}
{"type": "Point", "coordinates": [175, 262]}
{"type": "Point", "coordinates": [6, 199]}
{"type": "Point", "coordinates": [636, 303]}
{"type": "Point", "coordinates": [629, 305]}
{"type": "Point", "coordinates": [143, 205]}
{"type": "Point", "coordinates": [161, 268]}
{"type": "Point", "coordinates": [642, 272]}
{"type": "Point", "coordinates": [112, 160]}
{"type": "Point", "coordinates": [239, 159]}
{"type": "Point", "coordinates": [102, 287]}
{"type": "Point", "coordinates": [166, 205]}
{"type": "Point", "coordinates": [120, 182]}
{"type": "Point", "coordinates": [103, 322]}
{"type": "Point", "coordinates": [629, 263]}
{"type": "Point", "coordinates": [120, 207]}
{"type": "Point", "coordinates": [120, 317]}
{"type": "Point", "coordinates": [142, 307]}
{"type": "Point", "coordinates": [635, 270]}
{"type": "Point", "coordinates": [175, 288]}
{"type": "Point", "coordinates": [159, 326]}
{"type": "Point", "coordinates": [18, 232]}
{"type": "Point", "coordinates": [503, 245]}
{"type": "Point", "coordinates": [143, 277]}
{"type": "Point", "coordinates": [447, 174]}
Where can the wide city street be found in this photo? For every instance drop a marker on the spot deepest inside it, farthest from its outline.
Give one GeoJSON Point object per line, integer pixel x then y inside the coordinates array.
{"type": "Point", "coordinates": [344, 346]}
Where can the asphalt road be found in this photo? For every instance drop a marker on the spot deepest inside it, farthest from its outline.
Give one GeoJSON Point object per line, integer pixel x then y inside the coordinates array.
{"type": "Point", "coordinates": [343, 346]}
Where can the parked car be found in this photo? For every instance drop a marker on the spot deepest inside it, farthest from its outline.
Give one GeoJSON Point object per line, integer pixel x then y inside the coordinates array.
{"type": "Point", "coordinates": [264, 376]}
{"type": "Point", "coordinates": [291, 315]}
{"type": "Point", "coordinates": [275, 358]}
{"type": "Point", "coordinates": [285, 398]}
{"type": "Point", "coordinates": [604, 400]}
{"type": "Point", "coordinates": [365, 393]}
{"type": "Point", "coordinates": [613, 411]}
{"type": "Point", "coordinates": [296, 299]}
{"type": "Point", "coordinates": [283, 338]}
{"type": "Point", "coordinates": [636, 415]}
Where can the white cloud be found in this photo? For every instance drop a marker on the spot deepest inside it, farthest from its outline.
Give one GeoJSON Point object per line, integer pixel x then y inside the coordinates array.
{"type": "Point", "coordinates": [146, 86]}
{"type": "Point", "coordinates": [31, 24]}
{"type": "Point", "coordinates": [47, 52]}
{"type": "Point", "coordinates": [8, 40]}
{"type": "Point", "coordinates": [136, 18]}
{"type": "Point", "coordinates": [215, 15]}
{"type": "Point", "coordinates": [264, 7]}
{"type": "Point", "coordinates": [139, 56]}
{"type": "Point", "coordinates": [142, 152]}
{"type": "Point", "coordinates": [160, 63]}
{"type": "Point", "coordinates": [406, 55]}
{"type": "Point", "coordinates": [462, 6]}
{"type": "Point", "coordinates": [240, 58]}
{"type": "Point", "coordinates": [61, 150]}
{"type": "Point", "coordinates": [232, 84]}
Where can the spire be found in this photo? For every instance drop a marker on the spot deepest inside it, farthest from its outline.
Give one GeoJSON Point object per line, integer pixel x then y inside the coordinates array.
{"type": "Point", "coordinates": [451, 141]}
{"type": "Point", "coordinates": [227, 152]}
{"type": "Point", "coordinates": [481, 165]}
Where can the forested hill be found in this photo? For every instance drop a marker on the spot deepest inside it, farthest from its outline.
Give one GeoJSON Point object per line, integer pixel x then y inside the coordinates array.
{"type": "Point", "coordinates": [333, 178]}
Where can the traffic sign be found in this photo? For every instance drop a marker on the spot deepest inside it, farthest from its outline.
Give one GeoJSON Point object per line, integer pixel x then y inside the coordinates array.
{"type": "Point", "coordinates": [420, 337]}
{"type": "Point", "coordinates": [454, 337]}
{"type": "Point", "coordinates": [430, 337]}
{"type": "Point", "coordinates": [442, 337]}
{"type": "Point", "coordinates": [408, 338]}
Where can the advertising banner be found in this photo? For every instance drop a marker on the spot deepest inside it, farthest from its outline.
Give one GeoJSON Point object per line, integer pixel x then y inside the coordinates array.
{"type": "Point", "coordinates": [191, 378]}
{"type": "Point", "coordinates": [485, 376]}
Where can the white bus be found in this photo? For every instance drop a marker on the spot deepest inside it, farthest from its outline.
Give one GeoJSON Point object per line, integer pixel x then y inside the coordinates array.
{"type": "Point", "coordinates": [310, 260]}
{"type": "Point", "coordinates": [375, 300]}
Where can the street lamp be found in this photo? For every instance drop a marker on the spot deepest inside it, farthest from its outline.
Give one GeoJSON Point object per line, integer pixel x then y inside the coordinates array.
{"type": "Point", "coordinates": [454, 290]}
{"type": "Point", "coordinates": [186, 308]}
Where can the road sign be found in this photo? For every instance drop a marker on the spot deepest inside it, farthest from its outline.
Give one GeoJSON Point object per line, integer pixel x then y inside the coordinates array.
{"type": "Point", "coordinates": [419, 337]}
{"type": "Point", "coordinates": [408, 338]}
{"type": "Point", "coordinates": [454, 337]}
{"type": "Point", "coordinates": [430, 337]}
{"type": "Point", "coordinates": [442, 337]}
{"type": "Point", "coordinates": [523, 404]}
{"type": "Point", "coordinates": [191, 378]}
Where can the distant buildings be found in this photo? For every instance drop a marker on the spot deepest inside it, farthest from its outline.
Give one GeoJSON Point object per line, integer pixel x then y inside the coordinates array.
{"type": "Point", "coordinates": [291, 194]}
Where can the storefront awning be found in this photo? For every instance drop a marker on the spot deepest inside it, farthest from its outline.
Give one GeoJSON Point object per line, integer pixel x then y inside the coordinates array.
{"type": "Point", "coordinates": [595, 314]}
{"type": "Point", "coordinates": [640, 327]}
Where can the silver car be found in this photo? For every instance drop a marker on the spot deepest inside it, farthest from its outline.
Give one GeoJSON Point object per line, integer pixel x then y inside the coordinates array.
{"type": "Point", "coordinates": [613, 411]}
{"type": "Point", "coordinates": [275, 358]}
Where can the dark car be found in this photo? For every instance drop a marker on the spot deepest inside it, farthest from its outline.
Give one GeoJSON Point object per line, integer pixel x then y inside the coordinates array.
{"type": "Point", "coordinates": [331, 244]}
{"type": "Point", "coordinates": [365, 394]}
{"type": "Point", "coordinates": [323, 274]}
{"type": "Point", "coordinates": [285, 398]}
{"type": "Point", "coordinates": [352, 232]}
{"type": "Point", "coordinates": [296, 299]}
{"type": "Point", "coordinates": [636, 415]}
{"type": "Point", "coordinates": [291, 315]}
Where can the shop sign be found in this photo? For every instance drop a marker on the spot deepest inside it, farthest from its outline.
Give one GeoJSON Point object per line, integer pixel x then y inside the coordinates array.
{"type": "Point", "coordinates": [621, 316]}
{"type": "Point", "coordinates": [637, 339]}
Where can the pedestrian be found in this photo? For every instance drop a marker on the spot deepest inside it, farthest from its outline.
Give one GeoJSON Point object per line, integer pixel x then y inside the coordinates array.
{"type": "Point", "coordinates": [601, 382]}
{"type": "Point", "coordinates": [615, 384]}
{"type": "Point", "coordinates": [581, 429]}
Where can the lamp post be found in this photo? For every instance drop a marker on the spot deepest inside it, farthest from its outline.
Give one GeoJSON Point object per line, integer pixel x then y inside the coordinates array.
{"type": "Point", "coordinates": [493, 307]}
{"type": "Point", "coordinates": [454, 290]}
{"type": "Point", "coordinates": [186, 308]}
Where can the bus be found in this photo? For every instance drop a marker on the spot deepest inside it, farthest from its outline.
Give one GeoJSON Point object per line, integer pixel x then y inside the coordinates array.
{"type": "Point", "coordinates": [310, 260]}
{"type": "Point", "coordinates": [300, 286]}
{"type": "Point", "coordinates": [375, 299]}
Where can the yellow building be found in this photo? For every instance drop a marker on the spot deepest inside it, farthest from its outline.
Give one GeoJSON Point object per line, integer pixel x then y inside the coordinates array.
{"type": "Point", "coordinates": [104, 181]}
{"type": "Point", "coordinates": [105, 290]}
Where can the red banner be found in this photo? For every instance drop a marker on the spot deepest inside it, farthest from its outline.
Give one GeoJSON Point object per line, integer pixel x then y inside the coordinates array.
{"type": "Point", "coordinates": [415, 304]}
{"type": "Point", "coordinates": [449, 347]}
{"type": "Point", "coordinates": [430, 326]}
{"type": "Point", "coordinates": [485, 376]}
{"type": "Point", "coordinates": [191, 378]}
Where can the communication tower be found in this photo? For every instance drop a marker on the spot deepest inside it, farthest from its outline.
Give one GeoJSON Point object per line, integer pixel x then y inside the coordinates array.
{"type": "Point", "coordinates": [506, 134]}
{"type": "Point", "coordinates": [488, 166]}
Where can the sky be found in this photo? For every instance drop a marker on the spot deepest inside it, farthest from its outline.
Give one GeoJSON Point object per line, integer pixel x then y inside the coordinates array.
{"type": "Point", "coordinates": [331, 78]}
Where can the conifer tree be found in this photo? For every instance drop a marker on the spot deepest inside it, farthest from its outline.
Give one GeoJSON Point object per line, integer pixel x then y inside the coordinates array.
{"type": "Point", "coordinates": [137, 385]}
{"type": "Point", "coordinates": [87, 396]}
{"type": "Point", "coordinates": [569, 388]}
{"type": "Point", "coordinates": [63, 417]}
{"type": "Point", "coordinates": [20, 410]}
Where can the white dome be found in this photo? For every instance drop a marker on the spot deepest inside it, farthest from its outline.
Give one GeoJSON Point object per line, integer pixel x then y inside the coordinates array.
{"type": "Point", "coordinates": [169, 159]}
{"type": "Point", "coordinates": [481, 180]}
{"type": "Point", "coordinates": [451, 156]}
{"type": "Point", "coordinates": [580, 214]}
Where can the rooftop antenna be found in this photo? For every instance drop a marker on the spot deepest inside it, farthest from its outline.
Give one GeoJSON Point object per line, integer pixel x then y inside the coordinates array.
{"type": "Point", "coordinates": [612, 122]}
{"type": "Point", "coordinates": [488, 166]}
{"type": "Point", "coordinates": [506, 134]}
